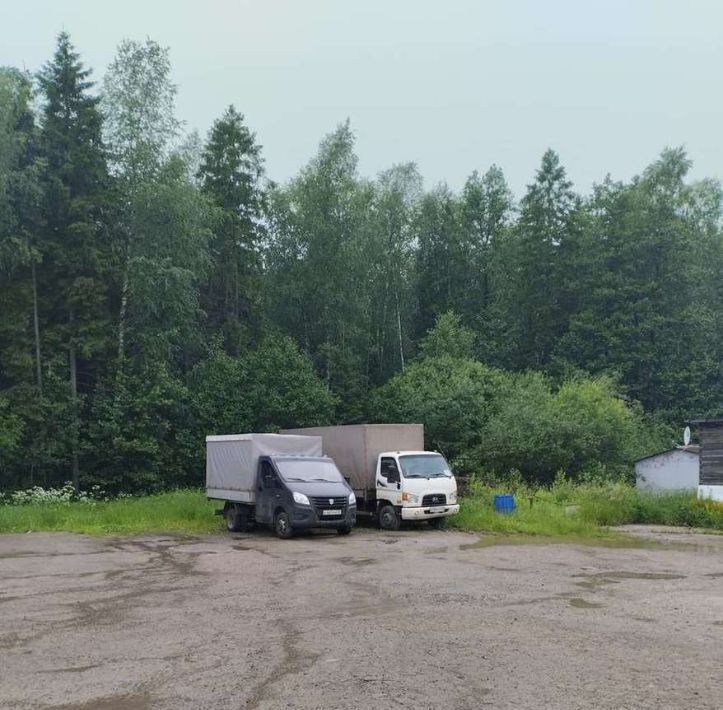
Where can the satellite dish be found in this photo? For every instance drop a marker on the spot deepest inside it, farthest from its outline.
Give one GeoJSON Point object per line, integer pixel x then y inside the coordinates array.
{"type": "Point", "coordinates": [686, 436]}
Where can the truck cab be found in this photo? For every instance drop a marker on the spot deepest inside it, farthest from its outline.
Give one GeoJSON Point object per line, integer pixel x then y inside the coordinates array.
{"type": "Point", "coordinates": [414, 485]}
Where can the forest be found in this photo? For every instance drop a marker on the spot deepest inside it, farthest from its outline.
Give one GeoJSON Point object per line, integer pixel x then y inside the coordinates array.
{"type": "Point", "coordinates": [157, 285]}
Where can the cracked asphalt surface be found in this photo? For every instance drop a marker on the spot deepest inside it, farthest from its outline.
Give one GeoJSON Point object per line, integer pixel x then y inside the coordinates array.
{"type": "Point", "coordinates": [415, 619]}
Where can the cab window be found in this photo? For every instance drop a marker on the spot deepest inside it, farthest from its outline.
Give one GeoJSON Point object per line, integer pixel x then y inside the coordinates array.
{"type": "Point", "coordinates": [268, 477]}
{"type": "Point", "coordinates": [389, 470]}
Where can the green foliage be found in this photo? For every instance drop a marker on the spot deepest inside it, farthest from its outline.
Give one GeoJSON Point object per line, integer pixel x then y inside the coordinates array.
{"type": "Point", "coordinates": [581, 426]}
{"type": "Point", "coordinates": [11, 429]}
{"type": "Point", "coordinates": [267, 389]}
{"type": "Point", "coordinates": [448, 338]}
{"type": "Point", "coordinates": [168, 261]}
{"type": "Point", "coordinates": [452, 398]}
{"type": "Point", "coordinates": [317, 277]}
{"type": "Point", "coordinates": [139, 437]}
{"type": "Point", "coordinates": [230, 175]}
{"type": "Point", "coordinates": [138, 109]}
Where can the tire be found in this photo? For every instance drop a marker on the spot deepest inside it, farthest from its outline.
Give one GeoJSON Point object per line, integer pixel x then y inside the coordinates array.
{"type": "Point", "coordinates": [344, 531]}
{"type": "Point", "coordinates": [388, 518]}
{"type": "Point", "coordinates": [282, 526]}
{"type": "Point", "coordinates": [437, 523]}
{"type": "Point", "coordinates": [233, 518]}
{"type": "Point", "coordinates": [237, 518]}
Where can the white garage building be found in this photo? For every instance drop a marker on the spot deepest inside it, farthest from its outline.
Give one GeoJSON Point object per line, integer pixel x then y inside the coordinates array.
{"type": "Point", "coordinates": [677, 469]}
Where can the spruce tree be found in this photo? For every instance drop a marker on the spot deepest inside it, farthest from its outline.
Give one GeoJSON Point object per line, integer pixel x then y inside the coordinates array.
{"type": "Point", "coordinates": [75, 182]}
{"type": "Point", "coordinates": [230, 175]}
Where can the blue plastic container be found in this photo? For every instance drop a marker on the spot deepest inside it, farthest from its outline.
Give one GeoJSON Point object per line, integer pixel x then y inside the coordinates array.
{"type": "Point", "coordinates": [504, 503]}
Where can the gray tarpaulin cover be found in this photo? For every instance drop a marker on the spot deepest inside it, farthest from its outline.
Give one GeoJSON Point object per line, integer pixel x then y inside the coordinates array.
{"type": "Point", "coordinates": [232, 460]}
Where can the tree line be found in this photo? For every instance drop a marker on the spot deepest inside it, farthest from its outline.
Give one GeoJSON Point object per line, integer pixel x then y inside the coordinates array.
{"type": "Point", "coordinates": [156, 286]}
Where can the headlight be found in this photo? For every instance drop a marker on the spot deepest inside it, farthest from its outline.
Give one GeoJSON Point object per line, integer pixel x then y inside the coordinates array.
{"type": "Point", "coordinates": [301, 499]}
{"type": "Point", "coordinates": [352, 498]}
{"type": "Point", "coordinates": [406, 496]}
{"type": "Point", "coordinates": [453, 497]}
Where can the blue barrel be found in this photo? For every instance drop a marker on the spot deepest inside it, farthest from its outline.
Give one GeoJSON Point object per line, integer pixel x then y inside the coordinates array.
{"type": "Point", "coordinates": [504, 503]}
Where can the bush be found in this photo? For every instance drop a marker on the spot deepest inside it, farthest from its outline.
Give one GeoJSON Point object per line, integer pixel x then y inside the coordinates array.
{"type": "Point", "coordinates": [453, 399]}
{"type": "Point", "coordinates": [580, 428]}
{"type": "Point", "coordinates": [267, 389]}
{"type": "Point", "coordinates": [38, 495]}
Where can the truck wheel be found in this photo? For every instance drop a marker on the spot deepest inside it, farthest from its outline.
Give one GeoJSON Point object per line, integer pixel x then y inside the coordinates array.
{"type": "Point", "coordinates": [388, 518]}
{"type": "Point", "coordinates": [282, 526]}
{"type": "Point", "coordinates": [437, 523]}
{"type": "Point", "coordinates": [344, 531]}
{"type": "Point", "coordinates": [233, 518]}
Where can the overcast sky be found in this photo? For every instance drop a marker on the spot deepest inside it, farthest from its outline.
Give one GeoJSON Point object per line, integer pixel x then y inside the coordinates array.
{"type": "Point", "coordinates": [453, 85]}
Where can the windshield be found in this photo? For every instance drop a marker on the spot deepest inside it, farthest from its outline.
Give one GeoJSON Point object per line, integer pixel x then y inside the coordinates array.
{"type": "Point", "coordinates": [313, 470]}
{"type": "Point", "coordinates": [424, 466]}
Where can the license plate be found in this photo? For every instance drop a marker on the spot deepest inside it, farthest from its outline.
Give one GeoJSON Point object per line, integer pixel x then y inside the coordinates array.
{"type": "Point", "coordinates": [331, 512]}
{"type": "Point", "coordinates": [437, 510]}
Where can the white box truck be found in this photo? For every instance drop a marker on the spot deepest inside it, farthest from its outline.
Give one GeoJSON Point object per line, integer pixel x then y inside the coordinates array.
{"type": "Point", "coordinates": [392, 476]}
{"type": "Point", "coordinates": [278, 480]}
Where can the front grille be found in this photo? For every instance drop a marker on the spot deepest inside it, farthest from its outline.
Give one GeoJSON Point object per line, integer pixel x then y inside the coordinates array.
{"type": "Point", "coordinates": [321, 504]}
{"type": "Point", "coordinates": [434, 499]}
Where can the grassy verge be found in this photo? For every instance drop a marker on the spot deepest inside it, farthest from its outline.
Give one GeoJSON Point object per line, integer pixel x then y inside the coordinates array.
{"type": "Point", "coordinates": [576, 512]}
{"type": "Point", "coordinates": [581, 511]}
{"type": "Point", "coordinates": [183, 511]}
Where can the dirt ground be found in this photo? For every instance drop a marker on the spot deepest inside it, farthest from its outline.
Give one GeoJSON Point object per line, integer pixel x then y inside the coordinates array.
{"type": "Point", "coordinates": [416, 619]}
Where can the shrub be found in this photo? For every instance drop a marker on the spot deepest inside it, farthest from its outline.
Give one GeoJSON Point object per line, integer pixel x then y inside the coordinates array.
{"type": "Point", "coordinates": [584, 428]}
{"type": "Point", "coordinates": [38, 495]}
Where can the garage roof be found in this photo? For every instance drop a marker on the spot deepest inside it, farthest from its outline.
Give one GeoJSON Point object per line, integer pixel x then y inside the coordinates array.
{"type": "Point", "coordinates": [690, 449]}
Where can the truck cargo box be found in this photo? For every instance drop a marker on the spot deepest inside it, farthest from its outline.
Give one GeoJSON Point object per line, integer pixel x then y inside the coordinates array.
{"type": "Point", "coordinates": [355, 448]}
{"type": "Point", "coordinates": [232, 461]}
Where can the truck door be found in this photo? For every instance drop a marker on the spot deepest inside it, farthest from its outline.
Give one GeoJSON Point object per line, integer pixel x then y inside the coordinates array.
{"type": "Point", "coordinates": [268, 491]}
{"type": "Point", "coordinates": [389, 478]}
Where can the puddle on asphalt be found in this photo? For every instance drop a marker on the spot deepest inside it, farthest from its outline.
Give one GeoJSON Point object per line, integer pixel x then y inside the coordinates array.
{"type": "Point", "coordinates": [436, 550]}
{"type": "Point", "coordinates": [72, 669]}
{"type": "Point", "coordinates": [128, 701]}
{"type": "Point", "coordinates": [357, 561]}
{"type": "Point", "coordinates": [594, 583]}
{"type": "Point", "coordinates": [580, 603]}
{"type": "Point", "coordinates": [623, 574]}
{"type": "Point", "coordinates": [622, 542]}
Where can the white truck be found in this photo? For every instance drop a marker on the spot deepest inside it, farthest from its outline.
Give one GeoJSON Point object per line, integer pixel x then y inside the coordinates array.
{"type": "Point", "coordinates": [283, 481]}
{"type": "Point", "coordinates": [391, 475]}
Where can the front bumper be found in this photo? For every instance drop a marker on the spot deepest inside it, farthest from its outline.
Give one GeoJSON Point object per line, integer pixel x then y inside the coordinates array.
{"type": "Point", "coordinates": [307, 517]}
{"type": "Point", "coordinates": [423, 513]}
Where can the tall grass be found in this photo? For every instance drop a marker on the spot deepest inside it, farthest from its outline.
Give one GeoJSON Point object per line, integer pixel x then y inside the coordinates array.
{"type": "Point", "coordinates": [583, 510]}
{"type": "Point", "coordinates": [182, 511]}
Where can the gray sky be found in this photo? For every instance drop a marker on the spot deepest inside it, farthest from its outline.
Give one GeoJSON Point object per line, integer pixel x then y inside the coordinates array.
{"type": "Point", "coordinates": [453, 85]}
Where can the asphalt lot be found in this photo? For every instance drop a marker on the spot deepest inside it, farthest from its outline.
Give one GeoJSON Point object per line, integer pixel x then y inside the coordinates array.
{"type": "Point", "coordinates": [415, 619]}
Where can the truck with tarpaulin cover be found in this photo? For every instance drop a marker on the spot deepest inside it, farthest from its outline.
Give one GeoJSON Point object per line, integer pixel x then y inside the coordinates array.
{"type": "Point", "coordinates": [280, 480]}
